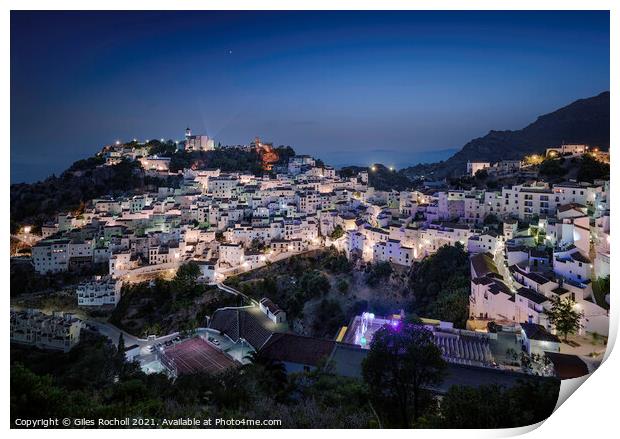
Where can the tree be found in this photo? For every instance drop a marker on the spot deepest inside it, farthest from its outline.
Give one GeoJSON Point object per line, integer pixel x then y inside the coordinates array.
{"type": "Point", "coordinates": [493, 406]}
{"type": "Point", "coordinates": [120, 348]}
{"type": "Point", "coordinates": [335, 261]}
{"type": "Point", "coordinates": [552, 168]}
{"type": "Point", "coordinates": [481, 174]}
{"type": "Point", "coordinates": [187, 274]}
{"type": "Point", "coordinates": [440, 281]}
{"type": "Point", "coordinates": [534, 159]}
{"type": "Point", "coordinates": [377, 272]}
{"type": "Point", "coordinates": [473, 407]}
{"type": "Point", "coordinates": [591, 169]}
{"type": "Point", "coordinates": [343, 286]}
{"type": "Point", "coordinates": [403, 362]}
{"type": "Point", "coordinates": [491, 219]}
{"type": "Point", "coordinates": [35, 395]}
{"type": "Point", "coordinates": [272, 373]}
{"type": "Point", "coordinates": [600, 289]}
{"type": "Point", "coordinates": [164, 149]}
{"type": "Point", "coordinates": [257, 245]}
{"type": "Point", "coordinates": [119, 358]}
{"type": "Point", "coordinates": [284, 153]}
{"type": "Point", "coordinates": [453, 307]}
{"type": "Point", "coordinates": [564, 317]}
{"type": "Point", "coordinates": [314, 283]}
{"type": "Point", "coordinates": [328, 318]}
{"type": "Point", "coordinates": [337, 233]}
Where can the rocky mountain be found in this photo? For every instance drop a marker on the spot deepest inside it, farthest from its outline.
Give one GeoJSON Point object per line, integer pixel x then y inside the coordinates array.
{"type": "Point", "coordinates": [583, 121]}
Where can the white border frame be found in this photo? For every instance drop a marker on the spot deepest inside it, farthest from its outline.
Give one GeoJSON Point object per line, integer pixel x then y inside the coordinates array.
{"type": "Point", "coordinates": [590, 412]}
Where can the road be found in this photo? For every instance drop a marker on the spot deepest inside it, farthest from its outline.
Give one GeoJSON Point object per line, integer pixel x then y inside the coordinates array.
{"type": "Point", "coordinates": [272, 258]}
{"type": "Point", "coordinates": [113, 333]}
{"type": "Point", "coordinates": [234, 292]}
{"type": "Point", "coordinates": [145, 273]}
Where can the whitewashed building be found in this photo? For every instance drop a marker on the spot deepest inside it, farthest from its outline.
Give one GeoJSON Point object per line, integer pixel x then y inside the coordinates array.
{"type": "Point", "coordinates": [100, 291]}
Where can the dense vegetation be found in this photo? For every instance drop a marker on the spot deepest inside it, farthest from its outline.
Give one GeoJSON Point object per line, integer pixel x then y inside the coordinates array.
{"type": "Point", "coordinates": [584, 169]}
{"type": "Point", "coordinates": [591, 169]}
{"type": "Point", "coordinates": [91, 382]}
{"type": "Point", "coordinates": [552, 168]}
{"type": "Point", "coordinates": [378, 272]}
{"type": "Point", "coordinates": [497, 407]}
{"type": "Point", "coordinates": [94, 382]}
{"type": "Point", "coordinates": [328, 319]}
{"type": "Point", "coordinates": [87, 164]}
{"type": "Point", "coordinates": [402, 364]}
{"type": "Point", "coordinates": [307, 282]}
{"type": "Point", "coordinates": [337, 233]}
{"type": "Point", "coordinates": [440, 285]}
{"type": "Point", "coordinates": [162, 149]}
{"type": "Point", "coordinates": [25, 280]}
{"type": "Point", "coordinates": [226, 159]}
{"type": "Point", "coordinates": [38, 202]}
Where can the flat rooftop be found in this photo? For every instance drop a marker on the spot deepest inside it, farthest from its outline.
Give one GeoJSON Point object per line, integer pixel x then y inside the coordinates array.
{"type": "Point", "coordinates": [194, 356]}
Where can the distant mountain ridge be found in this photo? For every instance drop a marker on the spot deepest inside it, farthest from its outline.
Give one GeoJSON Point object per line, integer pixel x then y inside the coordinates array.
{"type": "Point", "coordinates": [583, 121]}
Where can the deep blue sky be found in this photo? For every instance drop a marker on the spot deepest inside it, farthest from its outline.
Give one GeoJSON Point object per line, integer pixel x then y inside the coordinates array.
{"type": "Point", "coordinates": [348, 87]}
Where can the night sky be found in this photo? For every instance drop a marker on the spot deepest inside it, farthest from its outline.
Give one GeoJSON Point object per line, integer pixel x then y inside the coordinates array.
{"type": "Point", "coordinates": [347, 87]}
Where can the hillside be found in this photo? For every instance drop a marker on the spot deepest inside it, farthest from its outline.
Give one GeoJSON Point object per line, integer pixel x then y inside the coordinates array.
{"type": "Point", "coordinates": [380, 177]}
{"type": "Point", "coordinates": [37, 202]}
{"type": "Point", "coordinates": [583, 121]}
{"type": "Point", "coordinates": [86, 179]}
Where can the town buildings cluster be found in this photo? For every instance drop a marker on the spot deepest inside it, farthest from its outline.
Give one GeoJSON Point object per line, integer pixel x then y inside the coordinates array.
{"type": "Point", "coordinates": [58, 331]}
{"type": "Point", "coordinates": [553, 240]}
